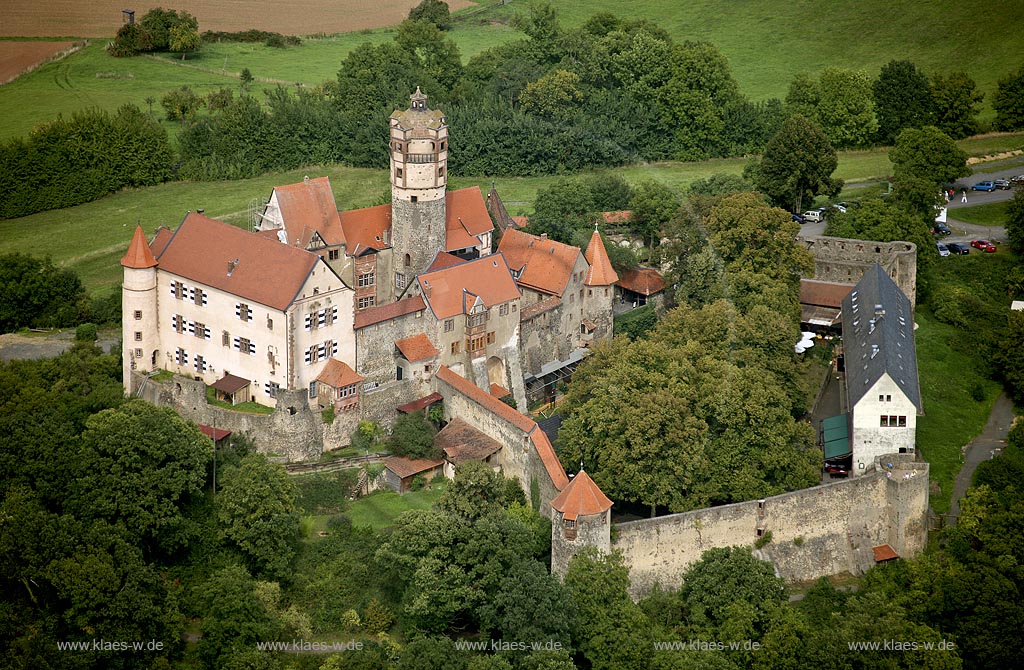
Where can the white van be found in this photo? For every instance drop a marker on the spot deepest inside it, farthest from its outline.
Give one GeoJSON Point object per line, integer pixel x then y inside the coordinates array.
{"type": "Point", "coordinates": [813, 216]}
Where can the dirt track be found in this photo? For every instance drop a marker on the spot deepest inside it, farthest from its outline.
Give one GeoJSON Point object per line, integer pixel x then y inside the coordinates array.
{"type": "Point", "coordinates": [102, 18]}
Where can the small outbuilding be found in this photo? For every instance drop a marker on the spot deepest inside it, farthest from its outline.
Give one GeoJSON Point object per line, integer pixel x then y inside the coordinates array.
{"type": "Point", "coordinates": [400, 471]}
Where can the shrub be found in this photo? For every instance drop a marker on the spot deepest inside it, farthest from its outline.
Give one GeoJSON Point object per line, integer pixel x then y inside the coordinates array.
{"type": "Point", "coordinates": [86, 333]}
{"type": "Point", "coordinates": [763, 540]}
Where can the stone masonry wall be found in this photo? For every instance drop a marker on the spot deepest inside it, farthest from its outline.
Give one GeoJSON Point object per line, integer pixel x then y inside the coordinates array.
{"type": "Point", "coordinates": [824, 530]}
{"type": "Point", "coordinates": [843, 260]}
{"type": "Point", "coordinates": [293, 431]}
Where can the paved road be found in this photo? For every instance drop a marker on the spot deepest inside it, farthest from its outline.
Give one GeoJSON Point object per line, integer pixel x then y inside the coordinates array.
{"type": "Point", "coordinates": [15, 346]}
{"type": "Point", "coordinates": [985, 446]}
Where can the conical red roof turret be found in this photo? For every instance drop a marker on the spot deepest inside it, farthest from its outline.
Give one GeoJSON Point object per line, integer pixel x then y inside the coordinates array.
{"type": "Point", "coordinates": [138, 256]}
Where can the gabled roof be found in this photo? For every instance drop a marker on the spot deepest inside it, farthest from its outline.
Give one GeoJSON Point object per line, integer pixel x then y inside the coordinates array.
{"type": "Point", "coordinates": [388, 311]}
{"type": "Point", "coordinates": [645, 281]}
{"type": "Point", "coordinates": [601, 271]}
{"type": "Point", "coordinates": [822, 293]}
{"type": "Point", "coordinates": [420, 403]}
{"type": "Point", "coordinates": [365, 228]}
{"type": "Point", "coordinates": [139, 256]}
{"type": "Point", "coordinates": [466, 217]}
{"type": "Point", "coordinates": [407, 467]}
{"type": "Point", "coordinates": [266, 272]}
{"type": "Point", "coordinates": [337, 374]}
{"type": "Point", "coordinates": [540, 441]}
{"type": "Point", "coordinates": [230, 384]}
{"type": "Point", "coordinates": [307, 208]}
{"type": "Point", "coordinates": [160, 240]}
{"type": "Point", "coordinates": [444, 260]}
{"type": "Point", "coordinates": [215, 434]}
{"type": "Point", "coordinates": [878, 337]}
{"type": "Point", "coordinates": [544, 265]}
{"type": "Point", "coordinates": [460, 442]}
{"type": "Point", "coordinates": [582, 497]}
{"type": "Point", "coordinates": [454, 290]}
{"type": "Point", "coordinates": [417, 348]}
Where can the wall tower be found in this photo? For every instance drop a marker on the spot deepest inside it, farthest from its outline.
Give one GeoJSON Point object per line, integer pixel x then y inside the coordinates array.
{"type": "Point", "coordinates": [419, 174]}
{"type": "Point", "coordinates": [139, 332]}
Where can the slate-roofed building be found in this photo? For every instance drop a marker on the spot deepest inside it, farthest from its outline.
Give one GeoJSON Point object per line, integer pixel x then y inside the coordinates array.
{"type": "Point", "coordinates": [883, 393]}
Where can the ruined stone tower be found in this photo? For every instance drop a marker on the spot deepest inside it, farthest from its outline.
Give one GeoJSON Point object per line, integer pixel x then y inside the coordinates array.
{"type": "Point", "coordinates": [419, 174]}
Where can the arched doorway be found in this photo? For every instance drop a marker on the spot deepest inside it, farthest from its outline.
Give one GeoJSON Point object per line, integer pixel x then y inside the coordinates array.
{"type": "Point", "coordinates": [496, 371]}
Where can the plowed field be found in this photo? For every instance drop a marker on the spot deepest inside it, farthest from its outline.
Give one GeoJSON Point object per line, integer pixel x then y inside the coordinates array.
{"type": "Point", "coordinates": [102, 18]}
{"type": "Point", "coordinates": [17, 58]}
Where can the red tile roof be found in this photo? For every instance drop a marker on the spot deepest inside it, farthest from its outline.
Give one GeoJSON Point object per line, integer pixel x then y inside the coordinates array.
{"type": "Point", "coordinates": [823, 293]}
{"type": "Point", "coordinates": [620, 216]}
{"type": "Point", "coordinates": [230, 384]}
{"type": "Point", "coordinates": [644, 281]}
{"type": "Point", "coordinates": [337, 374]}
{"type": "Point", "coordinates": [365, 228]}
{"type": "Point", "coordinates": [538, 308]}
{"type": "Point", "coordinates": [884, 552]}
{"type": "Point", "coordinates": [308, 207]}
{"type": "Point", "coordinates": [160, 240]}
{"type": "Point", "coordinates": [460, 442]}
{"type": "Point", "coordinates": [453, 290]}
{"type": "Point", "coordinates": [465, 217]}
{"type": "Point", "coordinates": [545, 265]}
{"type": "Point", "coordinates": [407, 467]}
{"type": "Point", "coordinates": [139, 256]}
{"type": "Point", "coordinates": [417, 348]}
{"type": "Point", "coordinates": [388, 311]}
{"type": "Point", "coordinates": [422, 403]}
{"type": "Point", "coordinates": [601, 271]}
{"type": "Point", "coordinates": [210, 431]}
{"type": "Point", "coordinates": [524, 423]}
{"type": "Point", "coordinates": [444, 260]}
{"type": "Point", "coordinates": [499, 391]}
{"type": "Point", "coordinates": [582, 497]}
{"type": "Point", "coordinates": [521, 221]}
{"type": "Point", "coordinates": [267, 272]}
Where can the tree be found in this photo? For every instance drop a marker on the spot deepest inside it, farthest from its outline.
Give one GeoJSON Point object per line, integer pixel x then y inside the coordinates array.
{"type": "Point", "coordinates": [184, 38]}
{"type": "Point", "coordinates": [476, 491]}
{"type": "Point", "coordinates": [434, 11]}
{"type": "Point", "coordinates": [957, 102]}
{"type": "Point", "coordinates": [846, 111]}
{"type": "Point", "coordinates": [412, 436]}
{"type": "Point", "coordinates": [1009, 362]}
{"type": "Point", "coordinates": [555, 96]}
{"type": "Point", "coordinates": [803, 96]}
{"type": "Point", "coordinates": [798, 163]}
{"type": "Point", "coordinates": [257, 512]}
{"type": "Point", "coordinates": [181, 104]}
{"type": "Point", "coordinates": [903, 99]}
{"type": "Point", "coordinates": [653, 205]}
{"type": "Point", "coordinates": [246, 78]}
{"type": "Point", "coordinates": [35, 293]}
{"type": "Point", "coordinates": [140, 465]}
{"type": "Point", "coordinates": [1015, 221]}
{"type": "Point", "coordinates": [562, 209]}
{"type": "Point", "coordinates": [530, 604]}
{"type": "Point", "coordinates": [1009, 101]}
{"type": "Point", "coordinates": [234, 616]}
{"type": "Point", "coordinates": [727, 575]}
{"type": "Point", "coordinates": [929, 154]}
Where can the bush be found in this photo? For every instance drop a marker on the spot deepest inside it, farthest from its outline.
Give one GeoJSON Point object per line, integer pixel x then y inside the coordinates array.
{"type": "Point", "coordinates": [34, 293]}
{"type": "Point", "coordinates": [86, 333]}
{"type": "Point", "coordinates": [637, 322]}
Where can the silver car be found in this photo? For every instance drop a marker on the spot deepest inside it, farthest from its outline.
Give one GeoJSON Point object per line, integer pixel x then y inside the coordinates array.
{"type": "Point", "coordinates": [943, 249]}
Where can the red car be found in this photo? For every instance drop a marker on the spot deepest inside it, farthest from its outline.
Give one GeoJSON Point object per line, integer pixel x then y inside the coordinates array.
{"type": "Point", "coordinates": [984, 245]}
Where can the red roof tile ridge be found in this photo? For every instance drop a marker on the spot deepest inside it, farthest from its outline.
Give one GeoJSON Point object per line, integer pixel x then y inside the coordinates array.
{"type": "Point", "coordinates": [388, 311]}
{"type": "Point", "coordinates": [601, 271]}
{"type": "Point", "coordinates": [582, 497]}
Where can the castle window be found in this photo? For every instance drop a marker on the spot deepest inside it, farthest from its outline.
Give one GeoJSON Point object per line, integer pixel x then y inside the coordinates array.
{"type": "Point", "coordinates": [177, 323]}
{"type": "Point", "coordinates": [515, 308]}
{"type": "Point", "coordinates": [478, 319]}
{"type": "Point", "coordinates": [138, 315]}
{"type": "Point", "coordinates": [590, 292]}
{"type": "Point", "coordinates": [367, 279]}
{"type": "Point", "coordinates": [270, 323]}
{"type": "Point", "coordinates": [400, 280]}
{"type": "Point", "coordinates": [138, 353]}
{"type": "Point", "coordinates": [201, 331]}
{"type": "Point", "coordinates": [503, 310]}
{"type": "Point", "coordinates": [271, 389]}
{"type": "Point", "coordinates": [347, 391]}
{"type": "Point", "coordinates": [399, 373]}
{"type": "Point", "coordinates": [440, 172]}
{"type": "Point", "coordinates": [242, 311]}
{"type": "Point", "coordinates": [312, 389]}
{"type": "Point", "coordinates": [442, 146]}
{"type": "Point", "coordinates": [138, 335]}
{"type": "Point", "coordinates": [883, 421]}
{"type": "Point", "coordinates": [181, 356]}
{"type": "Point", "coordinates": [455, 348]}
{"type": "Point", "coordinates": [902, 422]}
{"type": "Point", "coordinates": [225, 338]}
{"type": "Point", "coordinates": [200, 364]}
{"type": "Point", "coordinates": [363, 303]}
{"type": "Point", "coordinates": [413, 198]}
{"type": "Point", "coordinates": [490, 337]}
{"type": "Point", "coordinates": [398, 173]}
{"type": "Point", "coordinates": [245, 346]}
{"type": "Point", "coordinates": [476, 343]}
{"type": "Point", "coordinates": [449, 325]}
{"type": "Point", "coordinates": [408, 260]}
{"type": "Point", "coordinates": [198, 296]}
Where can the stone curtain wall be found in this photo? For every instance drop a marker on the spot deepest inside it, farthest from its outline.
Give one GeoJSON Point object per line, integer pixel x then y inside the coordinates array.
{"type": "Point", "coordinates": [843, 260]}
{"type": "Point", "coordinates": [824, 530]}
{"type": "Point", "coordinates": [293, 431]}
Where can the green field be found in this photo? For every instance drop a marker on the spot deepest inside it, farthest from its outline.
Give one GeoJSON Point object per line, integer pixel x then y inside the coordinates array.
{"type": "Point", "coordinates": [766, 45]}
{"type": "Point", "coordinates": [992, 214]}
{"type": "Point", "coordinates": [380, 509]}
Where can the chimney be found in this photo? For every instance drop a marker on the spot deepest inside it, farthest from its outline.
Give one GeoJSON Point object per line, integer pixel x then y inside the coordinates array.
{"type": "Point", "coordinates": [200, 211]}
{"type": "Point", "coordinates": [543, 236]}
{"type": "Point", "coordinates": [231, 266]}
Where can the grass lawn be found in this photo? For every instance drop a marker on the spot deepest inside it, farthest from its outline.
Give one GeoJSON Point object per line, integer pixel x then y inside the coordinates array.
{"type": "Point", "coordinates": [378, 510]}
{"type": "Point", "coordinates": [992, 214]}
{"type": "Point", "coordinates": [246, 407]}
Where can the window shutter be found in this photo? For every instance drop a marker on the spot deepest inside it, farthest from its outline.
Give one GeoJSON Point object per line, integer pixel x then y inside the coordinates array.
{"type": "Point", "coordinates": [204, 298]}
{"type": "Point", "coordinates": [206, 333]}
{"type": "Point", "coordinates": [321, 317]}
{"type": "Point", "coordinates": [334, 348]}
{"type": "Point", "coordinates": [334, 314]}
{"type": "Point", "coordinates": [191, 327]}
{"type": "Point", "coordinates": [309, 355]}
{"type": "Point", "coordinates": [252, 348]}
{"type": "Point", "coordinates": [238, 310]}
{"type": "Point", "coordinates": [237, 344]}
{"type": "Point", "coordinates": [309, 322]}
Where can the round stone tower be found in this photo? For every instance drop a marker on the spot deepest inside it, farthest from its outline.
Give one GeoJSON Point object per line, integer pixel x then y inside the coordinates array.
{"type": "Point", "coordinates": [139, 335]}
{"type": "Point", "coordinates": [580, 517]}
{"type": "Point", "coordinates": [419, 174]}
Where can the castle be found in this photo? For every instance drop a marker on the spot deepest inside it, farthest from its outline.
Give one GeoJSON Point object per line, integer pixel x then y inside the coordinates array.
{"type": "Point", "coordinates": [359, 309]}
{"type": "Point", "coordinates": [392, 308]}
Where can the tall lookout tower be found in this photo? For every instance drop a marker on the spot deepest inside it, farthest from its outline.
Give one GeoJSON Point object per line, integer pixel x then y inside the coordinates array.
{"type": "Point", "coordinates": [580, 517]}
{"type": "Point", "coordinates": [419, 173]}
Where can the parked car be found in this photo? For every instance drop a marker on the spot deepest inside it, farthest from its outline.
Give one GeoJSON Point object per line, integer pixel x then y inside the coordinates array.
{"type": "Point", "coordinates": [984, 245]}
{"type": "Point", "coordinates": [958, 248]}
{"type": "Point", "coordinates": [941, 229]}
{"type": "Point", "coordinates": [797, 218]}
{"type": "Point", "coordinates": [836, 470]}
{"type": "Point", "coordinates": [841, 206]}
{"type": "Point", "coordinates": [1017, 179]}
{"type": "Point", "coordinates": [1002, 183]}
{"type": "Point", "coordinates": [984, 186]}
{"type": "Point", "coordinates": [813, 216]}
{"type": "Point", "coordinates": [943, 249]}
